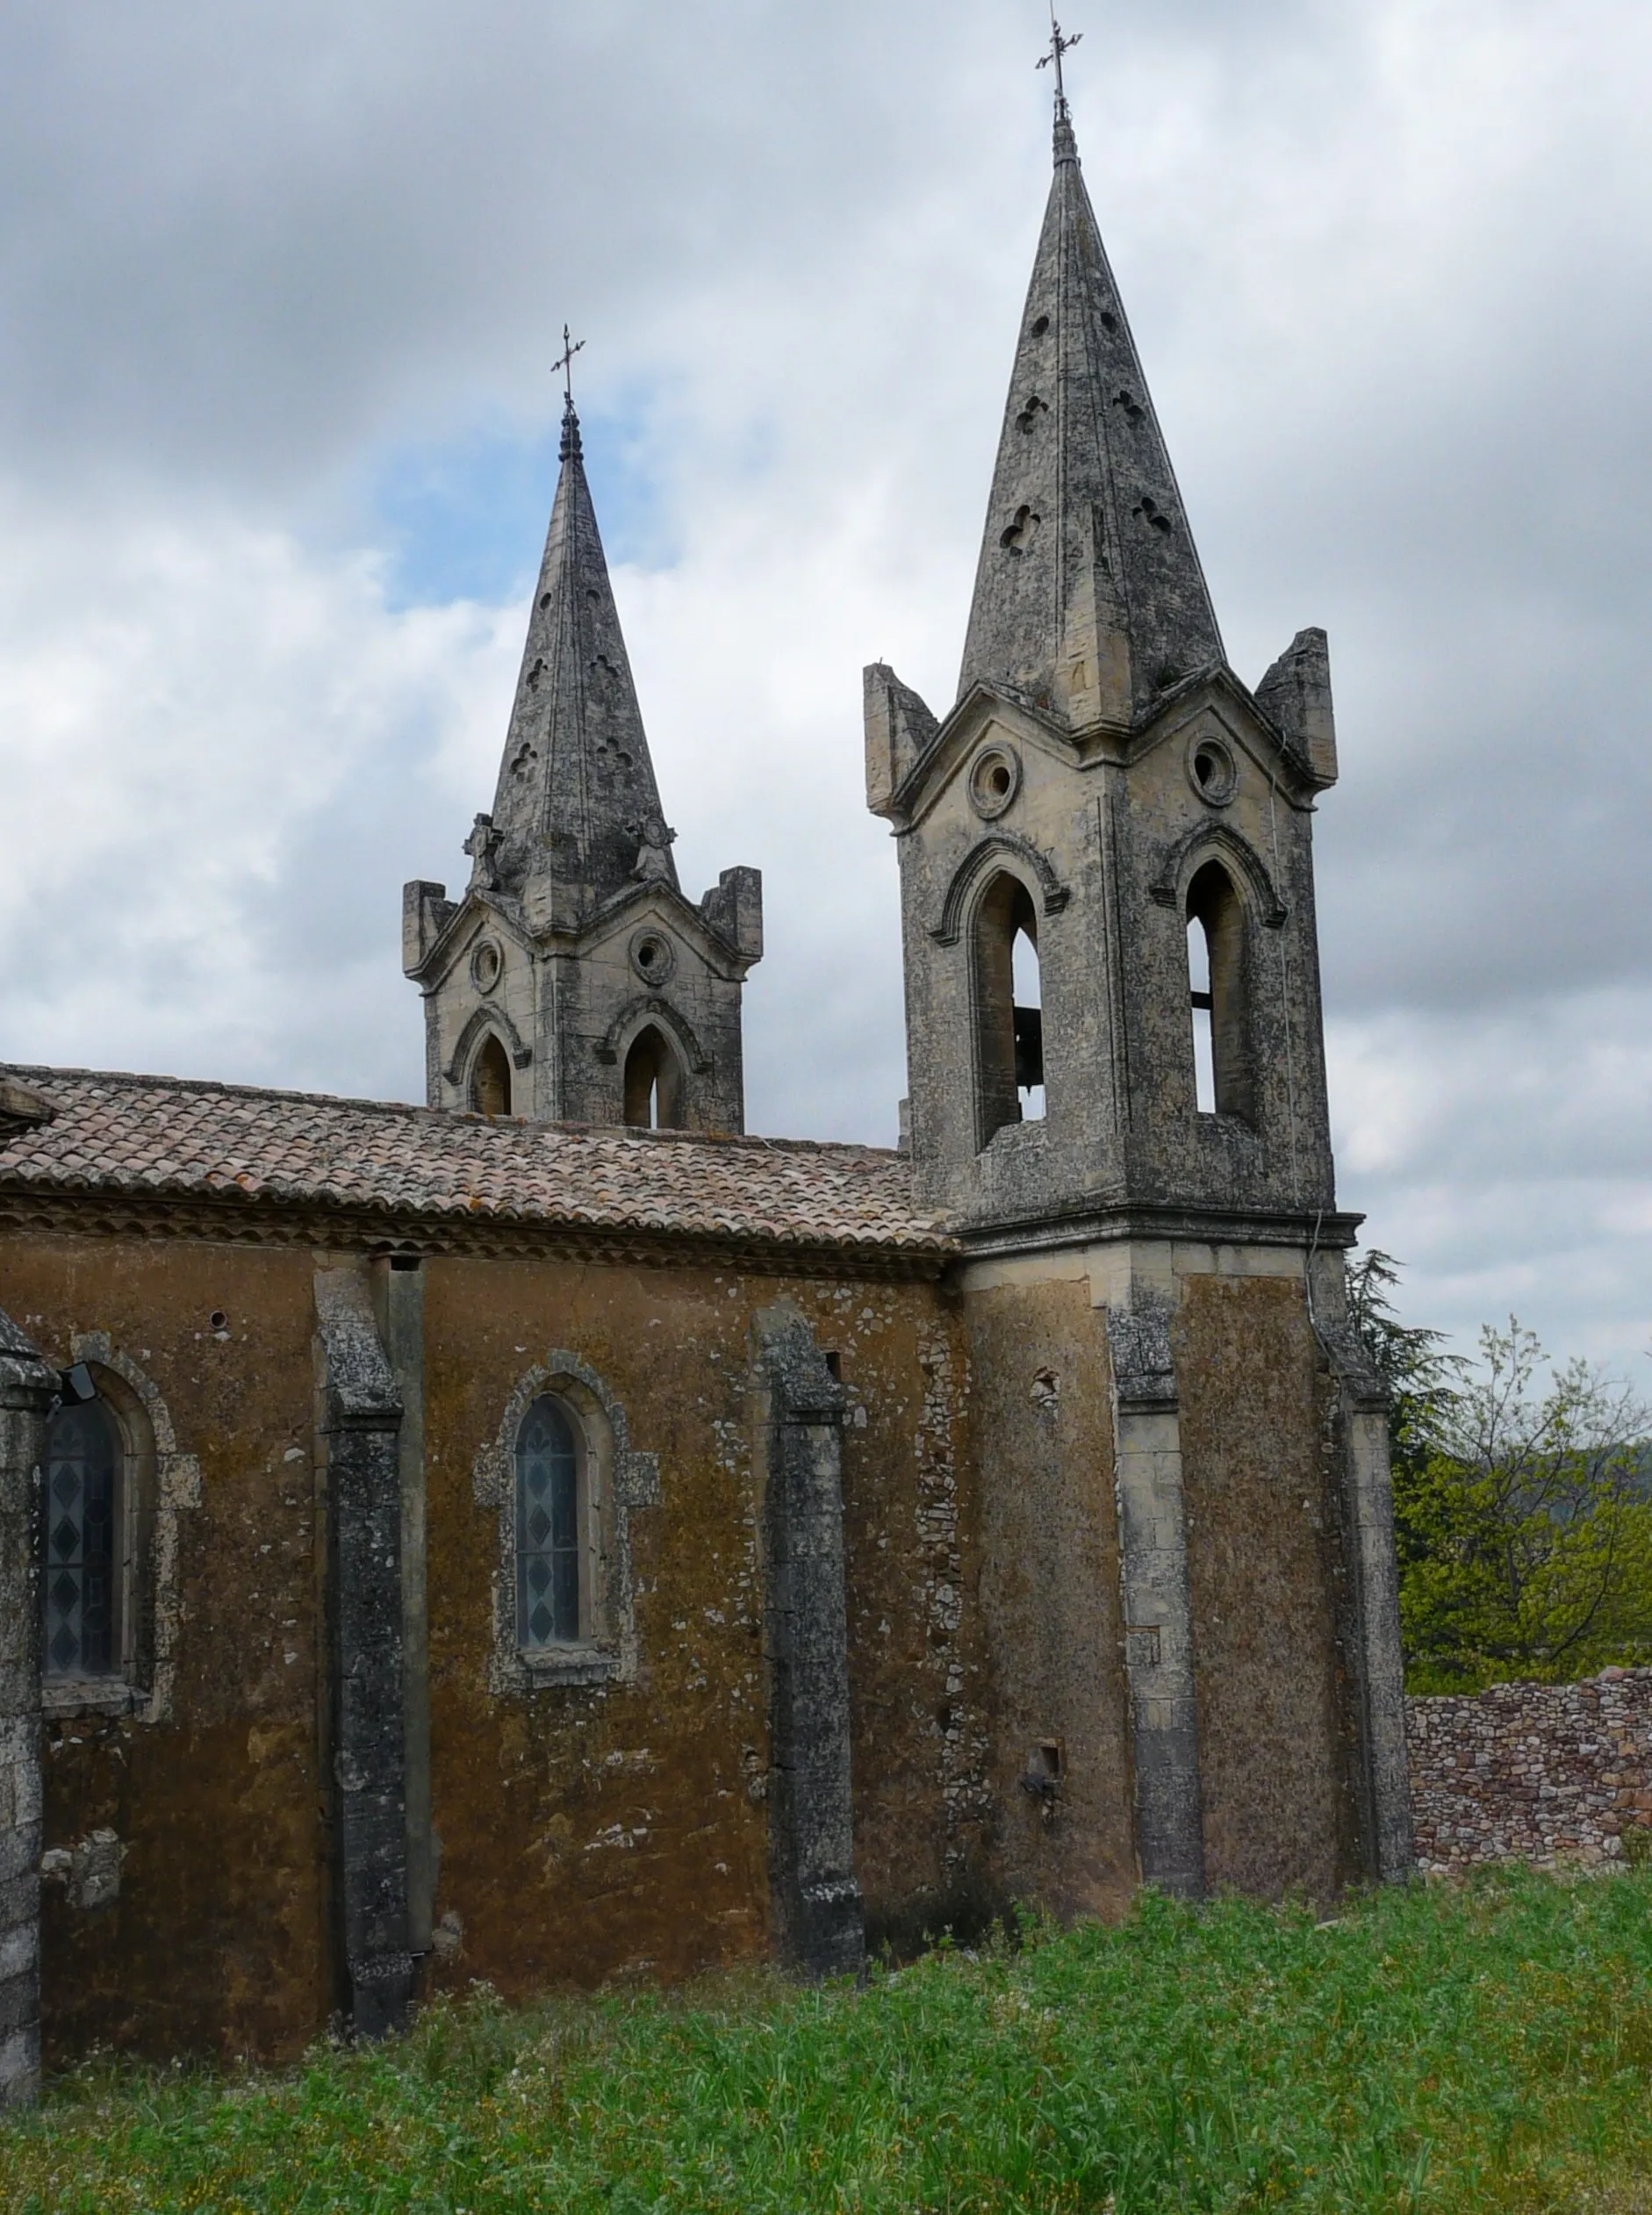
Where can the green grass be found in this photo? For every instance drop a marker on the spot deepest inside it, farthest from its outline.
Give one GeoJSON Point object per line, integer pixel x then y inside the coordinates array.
{"type": "Point", "coordinates": [1434, 2049]}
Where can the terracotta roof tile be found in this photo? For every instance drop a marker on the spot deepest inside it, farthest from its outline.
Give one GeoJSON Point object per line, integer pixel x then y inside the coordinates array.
{"type": "Point", "coordinates": [172, 1137]}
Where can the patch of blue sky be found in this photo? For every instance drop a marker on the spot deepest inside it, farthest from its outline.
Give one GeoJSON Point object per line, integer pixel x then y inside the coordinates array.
{"type": "Point", "coordinates": [465, 518]}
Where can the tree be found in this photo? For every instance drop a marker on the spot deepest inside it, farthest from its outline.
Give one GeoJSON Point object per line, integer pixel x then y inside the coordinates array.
{"type": "Point", "coordinates": [1523, 1510]}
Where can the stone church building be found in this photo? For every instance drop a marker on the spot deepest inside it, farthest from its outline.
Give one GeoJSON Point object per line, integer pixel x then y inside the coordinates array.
{"type": "Point", "coordinates": [548, 1536]}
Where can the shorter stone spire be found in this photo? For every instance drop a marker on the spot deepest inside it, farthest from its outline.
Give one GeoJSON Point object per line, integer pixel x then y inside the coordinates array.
{"type": "Point", "coordinates": [576, 800]}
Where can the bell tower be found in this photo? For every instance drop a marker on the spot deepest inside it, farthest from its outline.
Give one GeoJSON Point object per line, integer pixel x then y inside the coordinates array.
{"type": "Point", "coordinates": [573, 981]}
{"type": "Point", "coordinates": [1106, 845]}
{"type": "Point", "coordinates": [1117, 1074]}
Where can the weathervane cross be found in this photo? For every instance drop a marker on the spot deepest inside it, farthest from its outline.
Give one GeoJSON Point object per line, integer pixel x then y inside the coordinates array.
{"type": "Point", "coordinates": [569, 347]}
{"type": "Point", "coordinates": [1059, 44]}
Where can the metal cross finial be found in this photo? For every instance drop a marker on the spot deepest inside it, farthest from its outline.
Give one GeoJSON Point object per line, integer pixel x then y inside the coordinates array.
{"type": "Point", "coordinates": [569, 347]}
{"type": "Point", "coordinates": [1059, 44]}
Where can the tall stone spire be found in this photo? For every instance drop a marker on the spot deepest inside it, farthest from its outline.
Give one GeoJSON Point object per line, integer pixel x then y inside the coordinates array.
{"type": "Point", "coordinates": [577, 801]}
{"type": "Point", "coordinates": [1090, 597]}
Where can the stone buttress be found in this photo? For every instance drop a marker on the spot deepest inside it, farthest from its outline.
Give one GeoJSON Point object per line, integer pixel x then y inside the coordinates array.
{"type": "Point", "coordinates": [28, 1391]}
{"type": "Point", "coordinates": [1118, 1102]}
{"type": "Point", "coordinates": [573, 981]}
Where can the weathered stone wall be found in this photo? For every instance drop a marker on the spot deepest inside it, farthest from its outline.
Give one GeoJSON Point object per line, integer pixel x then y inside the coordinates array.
{"type": "Point", "coordinates": [1042, 1440]}
{"type": "Point", "coordinates": [184, 1906]}
{"type": "Point", "coordinates": [622, 1827]}
{"type": "Point", "coordinates": [193, 1900]}
{"type": "Point", "coordinates": [617, 1820]}
{"type": "Point", "coordinates": [1545, 1773]}
{"type": "Point", "coordinates": [1276, 1747]}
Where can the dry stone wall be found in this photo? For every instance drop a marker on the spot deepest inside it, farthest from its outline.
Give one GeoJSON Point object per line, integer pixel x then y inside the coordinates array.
{"type": "Point", "coordinates": [1545, 1773]}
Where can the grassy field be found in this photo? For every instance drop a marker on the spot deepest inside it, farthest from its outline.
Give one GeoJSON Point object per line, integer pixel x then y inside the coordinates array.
{"type": "Point", "coordinates": [1458, 2050]}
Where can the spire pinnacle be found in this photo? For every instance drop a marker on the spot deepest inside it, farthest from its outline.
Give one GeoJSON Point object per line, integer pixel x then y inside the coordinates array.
{"type": "Point", "coordinates": [1059, 44]}
{"type": "Point", "coordinates": [571, 450]}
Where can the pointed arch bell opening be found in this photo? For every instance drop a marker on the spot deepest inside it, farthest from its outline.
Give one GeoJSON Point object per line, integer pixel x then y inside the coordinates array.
{"type": "Point", "coordinates": [490, 1078]}
{"type": "Point", "coordinates": [654, 1083]}
{"type": "Point", "coordinates": [1009, 1007]}
{"type": "Point", "coordinates": [1218, 978]}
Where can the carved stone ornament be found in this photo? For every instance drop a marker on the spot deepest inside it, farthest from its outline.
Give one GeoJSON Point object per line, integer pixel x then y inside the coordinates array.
{"type": "Point", "coordinates": [1212, 771]}
{"type": "Point", "coordinates": [994, 779]}
{"type": "Point", "coordinates": [487, 966]}
{"type": "Point", "coordinates": [653, 957]}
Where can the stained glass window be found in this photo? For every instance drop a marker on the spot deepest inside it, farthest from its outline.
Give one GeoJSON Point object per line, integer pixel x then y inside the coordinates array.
{"type": "Point", "coordinates": [547, 1528]}
{"type": "Point", "coordinates": [83, 1553]}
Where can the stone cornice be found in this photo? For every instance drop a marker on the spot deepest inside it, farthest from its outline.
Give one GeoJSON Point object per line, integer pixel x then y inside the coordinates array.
{"type": "Point", "coordinates": [106, 1213]}
{"type": "Point", "coordinates": [1183, 1223]}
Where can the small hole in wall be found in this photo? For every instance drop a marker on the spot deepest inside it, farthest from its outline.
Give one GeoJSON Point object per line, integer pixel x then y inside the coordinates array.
{"type": "Point", "coordinates": [1041, 326]}
{"type": "Point", "coordinates": [404, 1261]}
{"type": "Point", "coordinates": [835, 1366]}
{"type": "Point", "coordinates": [1042, 1779]}
{"type": "Point", "coordinates": [998, 779]}
{"type": "Point", "coordinates": [219, 1320]}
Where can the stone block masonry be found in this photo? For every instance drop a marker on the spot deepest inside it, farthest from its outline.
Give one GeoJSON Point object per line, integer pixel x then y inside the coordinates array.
{"type": "Point", "coordinates": [1545, 1773]}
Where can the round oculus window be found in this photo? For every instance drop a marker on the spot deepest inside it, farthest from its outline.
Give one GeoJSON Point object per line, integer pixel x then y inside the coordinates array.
{"type": "Point", "coordinates": [487, 966]}
{"type": "Point", "coordinates": [1211, 771]}
{"type": "Point", "coordinates": [653, 956]}
{"type": "Point", "coordinates": [994, 779]}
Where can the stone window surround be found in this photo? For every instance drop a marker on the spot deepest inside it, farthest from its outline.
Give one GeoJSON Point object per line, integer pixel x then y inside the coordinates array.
{"type": "Point", "coordinates": [617, 1481]}
{"type": "Point", "coordinates": [158, 1483]}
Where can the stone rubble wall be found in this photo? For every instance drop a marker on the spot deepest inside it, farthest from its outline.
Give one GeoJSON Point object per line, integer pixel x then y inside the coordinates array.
{"type": "Point", "coordinates": [1545, 1773]}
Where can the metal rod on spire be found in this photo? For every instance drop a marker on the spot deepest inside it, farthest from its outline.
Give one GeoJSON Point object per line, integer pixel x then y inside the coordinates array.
{"type": "Point", "coordinates": [1059, 44]}
{"type": "Point", "coordinates": [569, 347]}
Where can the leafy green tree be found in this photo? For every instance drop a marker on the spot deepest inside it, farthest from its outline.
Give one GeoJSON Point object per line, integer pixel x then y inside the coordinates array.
{"type": "Point", "coordinates": [1523, 1510]}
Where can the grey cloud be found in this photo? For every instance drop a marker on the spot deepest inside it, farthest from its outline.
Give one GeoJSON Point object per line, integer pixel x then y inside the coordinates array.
{"type": "Point", "coordinates": [1388, 265]}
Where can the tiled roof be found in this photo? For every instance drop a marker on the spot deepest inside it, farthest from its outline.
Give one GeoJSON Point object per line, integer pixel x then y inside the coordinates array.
{"type": "Point", "coordinates": [162, 1137]}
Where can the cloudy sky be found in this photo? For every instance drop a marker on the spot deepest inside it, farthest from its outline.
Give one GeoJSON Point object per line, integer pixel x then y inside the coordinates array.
{"type": "Point", "coordinates": [281, 284]}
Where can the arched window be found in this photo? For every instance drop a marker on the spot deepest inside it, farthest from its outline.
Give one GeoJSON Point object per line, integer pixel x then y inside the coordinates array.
{"type": "Point", "coordinates": [1009, 1010]}
{"type": "Point", "coordinates": [653, 1082]}
{"type": "Point", "coordinates": [491, 1079]}
{"type": "Point", "coordinates": [1218, 982]}
{"type": "Point", "coordinates": [553, 1584]}
{"type": "Point", "coordinates": [85, 1556]}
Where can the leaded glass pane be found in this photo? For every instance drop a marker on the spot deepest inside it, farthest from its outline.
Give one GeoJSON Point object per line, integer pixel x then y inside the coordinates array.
{"type": "Point", "coordinates": [83, 1458]}
{"type": "Point", "coordinates": [547, 1528]}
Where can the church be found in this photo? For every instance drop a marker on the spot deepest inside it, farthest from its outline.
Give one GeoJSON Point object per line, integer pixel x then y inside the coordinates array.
{"type": "Point", "coordinates": [548, 1535]}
